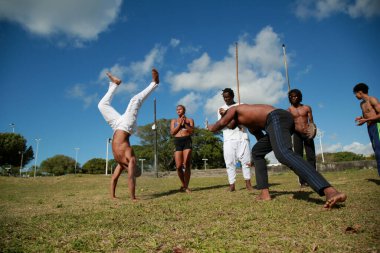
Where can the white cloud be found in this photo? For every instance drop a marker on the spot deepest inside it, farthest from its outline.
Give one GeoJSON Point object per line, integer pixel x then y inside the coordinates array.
{"type": "Point", "coordinates": [260, 72]}
{"type": "Point", "coordinates": [355, 147]}
{"type": "Point", "coordinates": [137, 71]}
{"type": "Point", "coordinates": [303, 72]}
{"type": "Point", "coordinates": [359, 148]}
{"type": "Point", "coordinates": [189, 49]}
{"type": "Point", "coordinates": [135, 76]}
{"type": "Point", "coordinates": [78, 20]}
{"type": "Point", "coordinates": [365, 8]}
{"type": "Point", "coordinates": [174, 42]}
{"type": "Point", "coordinates": [322, 9]}
{"type": "Point", "coordinates": [191, 102]}
{"type": "Point", "coordinates": [78, 91]}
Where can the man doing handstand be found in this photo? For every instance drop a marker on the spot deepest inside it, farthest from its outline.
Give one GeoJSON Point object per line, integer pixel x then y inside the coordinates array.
{"type": "Point", "coordinates": [124, 126]}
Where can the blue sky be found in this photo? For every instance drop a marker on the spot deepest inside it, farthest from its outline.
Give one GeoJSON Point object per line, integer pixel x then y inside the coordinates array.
{"type": "Point", "coordinates": [53, 56]}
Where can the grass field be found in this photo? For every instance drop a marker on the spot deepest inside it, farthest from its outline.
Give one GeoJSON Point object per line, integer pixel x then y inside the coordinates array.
{"type": "Point", "coordinates": [75, 214]}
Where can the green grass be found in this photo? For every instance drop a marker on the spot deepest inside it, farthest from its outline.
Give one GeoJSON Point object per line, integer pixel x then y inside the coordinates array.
{"type": "Point", "coordinates": [75, 214]}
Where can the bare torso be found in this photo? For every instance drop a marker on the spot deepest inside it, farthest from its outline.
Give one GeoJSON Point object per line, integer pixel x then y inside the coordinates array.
{"type": "Point", "coordinates": [254, 116]}
{"type": "Point", "coordinates": [369, 107]}
{"type": "Point", "coordinates": [185, 127]}
{"type": "Point", "coordinates": [302, 117]}
{"type": "Point", "coordinates": [120, 144]}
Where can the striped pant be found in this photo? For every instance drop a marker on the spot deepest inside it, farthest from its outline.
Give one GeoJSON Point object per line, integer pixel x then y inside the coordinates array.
{"type": "Point", "coordinates": [279, 128]}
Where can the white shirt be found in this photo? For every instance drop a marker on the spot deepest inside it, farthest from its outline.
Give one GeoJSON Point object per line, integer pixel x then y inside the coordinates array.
{"type": "Point", "coordinates": [232, 134]}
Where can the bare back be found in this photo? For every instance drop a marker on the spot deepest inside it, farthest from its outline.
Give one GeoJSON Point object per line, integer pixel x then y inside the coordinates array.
{"type": "Point", "coordinates": [302, 116]}
{"type": "Point", "coordinates": [252, 116]}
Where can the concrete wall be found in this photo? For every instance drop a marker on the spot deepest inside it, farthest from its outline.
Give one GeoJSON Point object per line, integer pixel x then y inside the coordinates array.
{"type": "Point", "coordinates": [337, 166]}
{"type": "Point", "coordinates": [322, 167]}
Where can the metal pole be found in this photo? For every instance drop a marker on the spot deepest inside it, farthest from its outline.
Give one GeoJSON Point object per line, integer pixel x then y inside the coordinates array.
{"type": "Point", "coordinates": [22, 158]}
{"type": "Point", "coordinates": [142, 165]}
{"type": "Point", "coordinates": [286, 66]}
{"type": "Point", "coordinates": [12, 125]}
{"type": "Point", "coordinates": [155, 139]}
{"type": "Point", "coordinates": [35, 160]}
{"type": "Point", "coordinates": [237, 73]}
{"type": "Point", "coordinates": [76, 159]}
{"type": "Point", "coordinates": [107, 143]}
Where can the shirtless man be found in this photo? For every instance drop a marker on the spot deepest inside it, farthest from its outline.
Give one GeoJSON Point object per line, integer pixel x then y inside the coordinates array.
{"type": "Point", "coordinates": [371, 115]}
{"type": "Point", "coordinates": [123, 126]}
{"type": "Point", "coordinates": [302, 116]}
{"type": "Point", "coordinates": [278, 125]}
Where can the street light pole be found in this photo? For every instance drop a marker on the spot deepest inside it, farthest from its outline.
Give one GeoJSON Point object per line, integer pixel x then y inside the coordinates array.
{"type": "Point", "coordinates": [205, 160]}
{"type": "Point", "coordinates": [76, 159]}
{"type": "Point", "coordinates": [12, 125]}
{"type": "Point", "coordinates": [22, 158]}
{"type": "Point", "coordinates": [155, 139]}
{"type": "Point", "coordinates": [35, 160]}
{"type": "Point", "coordinates": [109, 140]}
{"type": "Point", "coordinates": [142, 165]}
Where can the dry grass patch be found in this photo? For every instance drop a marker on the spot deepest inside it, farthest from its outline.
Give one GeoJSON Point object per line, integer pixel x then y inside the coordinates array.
{"type": "Point", "coordinates": [75, 214]}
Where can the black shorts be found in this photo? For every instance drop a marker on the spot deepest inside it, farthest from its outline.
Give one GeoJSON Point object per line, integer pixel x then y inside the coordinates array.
{"type": "Point", "coordinates": [182, 143]}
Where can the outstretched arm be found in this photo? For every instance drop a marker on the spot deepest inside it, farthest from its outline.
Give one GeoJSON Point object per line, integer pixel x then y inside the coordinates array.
{"type": "Point", "coordinates": [224, 121]}
{"type": "Point", "coordinates": [310, 115]}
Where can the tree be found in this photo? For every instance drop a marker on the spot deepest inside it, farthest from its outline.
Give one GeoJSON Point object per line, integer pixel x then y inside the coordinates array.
{"type": "Point", "coordinates": [207, 145]}
{"type": "Point", "coordinates": [94, 166]}
{"type": "Point", "coordinates": [12, 146]}
{"type": "Point", "coordinates": [165, 146]}
{"type": "Point", "coordinates": [340, 157]}
{"type": "Point", "coordinates": [59, 165]}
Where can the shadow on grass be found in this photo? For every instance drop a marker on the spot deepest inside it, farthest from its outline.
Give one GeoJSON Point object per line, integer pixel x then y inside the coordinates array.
{"type": "Point", "coordinates": [376, 181]}
{"type": "Point", "coordinates": [270, 185]}
{"type": "Point", "coordinates": [167, 193]}
{"type": "Point", "coordinates": [300, 195]}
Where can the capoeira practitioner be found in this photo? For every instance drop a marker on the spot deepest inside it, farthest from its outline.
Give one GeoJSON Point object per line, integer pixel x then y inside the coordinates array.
{"type": "Point", "coordinates": [124, 126]}
{"type": "Point", "coordinates": [278, 125]}
{"type": "Point", "coordinates": [235, 145]}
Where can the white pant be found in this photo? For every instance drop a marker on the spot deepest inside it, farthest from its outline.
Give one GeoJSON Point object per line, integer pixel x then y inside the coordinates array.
{"type": "Point", "coordinates": [127, 121]}
{"type": "Point", "coordinates": [237, 150]}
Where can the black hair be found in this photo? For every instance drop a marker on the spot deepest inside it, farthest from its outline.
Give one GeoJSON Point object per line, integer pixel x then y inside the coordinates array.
{"type": "Point", "coordinates": [361, 87]}
{"type": "Point", "coordinates": [183, 107]}
{"type": "Point", "coordinates": [229, 91]}
{"type": "Point", "coordinates": [297, 92]}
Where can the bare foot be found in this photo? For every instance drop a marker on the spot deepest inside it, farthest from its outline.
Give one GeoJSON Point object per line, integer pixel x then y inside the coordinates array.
{"type": "Point", "coordinates": [188, 190]}
{"type": "Point", "coordinates": [331, 200]}
{"type": "Point", "coordinates": [248, 185]}
{"type": "Point", "coordinates": [135, 200]}
{"type": "Point", "coordinates": [113, 78]}
{"type": "Point", "coordinates": [231, 188]}
{"type": "Point", "coordinates": [155, 76]}
{"type": "Point", "coordinates": [264, 195]}
{"type": "Point", "coordinates": [182, 189]}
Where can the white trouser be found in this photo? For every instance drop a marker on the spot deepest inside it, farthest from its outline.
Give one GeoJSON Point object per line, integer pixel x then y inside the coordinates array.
{"type": "Point", "coordinates": [127, 121]}
{"type": "Point", "coordinates": [237, 150]}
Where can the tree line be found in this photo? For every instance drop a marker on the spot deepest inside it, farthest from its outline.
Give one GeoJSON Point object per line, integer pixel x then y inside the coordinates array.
{"type": "Point", "coordinates": [206, 145]}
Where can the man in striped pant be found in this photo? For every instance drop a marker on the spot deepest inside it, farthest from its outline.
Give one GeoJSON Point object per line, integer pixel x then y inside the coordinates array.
{"type": "Point", "coordinates": [278, 126]}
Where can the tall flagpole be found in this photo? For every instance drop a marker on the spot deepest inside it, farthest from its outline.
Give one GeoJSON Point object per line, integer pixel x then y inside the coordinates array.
{"type": "Point", "coordinates": [237, 72]}
{"type": "Point", "coordinates": [286, 66]}
{"type": "Point", "coordinates": [155, 140]}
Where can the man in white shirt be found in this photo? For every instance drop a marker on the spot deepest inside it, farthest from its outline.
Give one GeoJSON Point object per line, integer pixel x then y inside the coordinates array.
{"type": "Point", "coordinates": [235, 145]}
